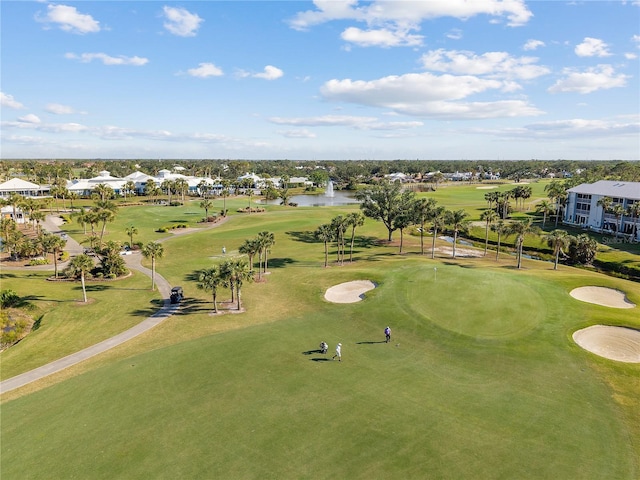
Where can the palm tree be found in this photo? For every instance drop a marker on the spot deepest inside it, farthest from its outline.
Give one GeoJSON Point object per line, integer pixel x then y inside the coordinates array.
{"type": "Point", "coordinates": [105, 211]}
{"type": "Point", "coordinates": [557, 239]}
{"type": "Point", "coordinates": [284, 196]}
{"type": "Point", "coordinates": [557, 192]}
{"type": "Point", "coordinates": [325, 233]}
{"type": "Point", "coordinates": [339, 225]}
{"type": "Point", "coordinates": [206, 204]}
{"type": "Point", "coordinates": [491, 198]}
{"type": "Point", "coordinates": [53, 244]}
{"type": "Point", "coordinates": [210, 280]}
{"type": "Point", "coordinates": [224, 193]}
{"type": "Point", "coordinates": [618, 210]}
{"type": "Point", "coordinates": [78, 267]}
{"type": "Point", "coordinates": [181, 186]}
{"type": "Point", "coordinates": [153, 250]}
{"type": "Point", "coordinates": [72, 196]}
{"type": "Point", "coordinates": [15, 200]}
{"type": "Point", "coordinates": [266, 240]}
{"type": "Point", "coordinates": [457, 222]}
{"type": "Point", "coordinates": [104, 192]}
{"type": "Point", "coordinates": [131, 231]}
{"type": "Point", "coordinates": [501, 228]}
{"type": "Point", "coordinates": [38, 217]}
{"type": "Point", "coordinates": [489, 216]}
{"type": "Point", "coordinates": [545, 207]}
{"type": "Point", "coordinates": [168, 186]}
{"type": "Point", "coordinates": [354, 220]}
{"type": "Point", "coordinates": [237, 272]}
{"type": "Point", "coordinates": [438, 221]}
{"type": "Point", "coordinates": [634, 212]}
{"type": "Point", "coordinates": [422, 208]}
{"type": "Point", "coordinates": [130, 188]}
{"type": "Point", "coordinates": [605, 203]}
{"type": "Point", "coordinates": [521, 229]}
{"type": "Point", "coordinates": [250, 248]}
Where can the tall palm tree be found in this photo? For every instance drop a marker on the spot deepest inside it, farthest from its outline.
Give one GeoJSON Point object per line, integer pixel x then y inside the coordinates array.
{"type": "Point", "coordinates": [339, 225]}
{"type": "Point", "coordinates": [489, 216]}
{"type": "Point", "coordinates": [237, 272]}
{"type": "Point", "coordinates": [249, 248]}
{"type": "Point", "coordinates": [438, 220]}
{"type": "Point", "coordinates": [105, 211]}
{"type": "Point", "coordinates": [545, 207]}
{"type": "Point", "coordinates": [557, 239]}
{"type": "Point", "coordinates": [206, 204]}
{"type": "Point", "coordinates": [182, 186]}
{"type": "Point", "coordinates": [634, 212]}
{"type": "Point", "coordinates": [131, 231]}
{"type": "Point", "coordinates": [501, 228]}
{"type": "Point", "coordinates": [605, 203]}
{"type": "Point", "coordinates": [153, 250]}
{"type": "Point", "coordinates": [557, 192]}
{"type": "Point", "coordinates": [618, 210]}
{"type": "Point", "coordinates": [422, 208]}
{"type": "Point", "coordinates": [456, 219]}
{"type": "Point", "coordinates": [491, 198]}
{"type": "Point", "coordinates": [210, 280]}
{"type": "Point", "coordinates": [53, 244]}
{"type": "Point", "coordinates": [168, 186]}
{"type": "Point", "coordinates": [130, 188]}
{"type": "Point", "coordinates": [354, 220]}
{"type": "Point", "coordinates": [325, 234]}
{"type": "Point", "coordinates": [78, 267]}
{"type": "Point", "coordinates": [103, 191]}
{"type": "Point", "coordinates": [521, 229]}
{"type": "Point", "coordinates": [266, 240]}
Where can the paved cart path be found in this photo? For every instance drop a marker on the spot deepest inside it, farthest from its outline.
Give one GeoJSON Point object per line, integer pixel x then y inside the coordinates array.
{"type": "Point", "coordinates": [133, 261]}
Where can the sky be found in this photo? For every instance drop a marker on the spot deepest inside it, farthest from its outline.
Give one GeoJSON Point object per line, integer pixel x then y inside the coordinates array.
{"type": "Point", "coordinates": [322, 80]}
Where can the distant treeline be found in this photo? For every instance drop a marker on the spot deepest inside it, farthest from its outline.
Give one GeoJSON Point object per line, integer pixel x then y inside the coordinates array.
{"type": "Point", "coordinates": [343, 171]}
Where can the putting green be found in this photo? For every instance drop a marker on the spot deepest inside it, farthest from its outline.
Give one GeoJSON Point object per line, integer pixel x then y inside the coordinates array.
{"type": "Point", "coordinates": [488, 304]}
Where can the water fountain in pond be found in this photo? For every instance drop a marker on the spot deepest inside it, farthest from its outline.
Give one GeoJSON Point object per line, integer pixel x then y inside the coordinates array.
{"type": "Point", "coordinates": [329, 191]}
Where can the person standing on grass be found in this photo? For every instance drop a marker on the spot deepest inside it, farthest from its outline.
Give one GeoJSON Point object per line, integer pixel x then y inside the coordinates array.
{"type": "Point", "coordinates": [338, 353]}
{"type": "Point", "coordinates": [324, 347]}
{"type": "Point", "coordinates": [387, 334]}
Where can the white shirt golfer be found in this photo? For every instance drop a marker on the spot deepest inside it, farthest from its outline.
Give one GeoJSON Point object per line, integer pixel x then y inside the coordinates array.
{"type": "Point", "coordinates": [338, 352]}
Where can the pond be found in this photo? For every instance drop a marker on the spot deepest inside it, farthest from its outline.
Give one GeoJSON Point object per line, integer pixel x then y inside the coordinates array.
{"type": "Point", "coordinates": [340, 197]}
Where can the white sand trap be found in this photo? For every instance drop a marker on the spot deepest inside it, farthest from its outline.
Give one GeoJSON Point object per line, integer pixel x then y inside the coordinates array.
{"type": "Point", "coordinates": [615, 343]}
{"type": "Point", "coordinates": [487, 187]}
{"type": "Point", "coordinates": [607, 297]}
{"type": "Point", "coordinates": [349, 292]}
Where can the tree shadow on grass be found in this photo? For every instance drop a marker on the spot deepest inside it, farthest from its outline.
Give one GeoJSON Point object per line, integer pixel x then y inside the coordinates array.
{"type": "Point", "coordinates": [281, 262]}
{"type": "Point", "coordinates": [190, 306]}
{"type": "Point", "coordinates": [95, 288]}
{"type": "Point", "coordinates": [305, 237]}
{"type": "Point", "coordinates": [319, 359]}
{"type": "Point", "coordinates": [154, 305]}
{"type": "Point", "coordinates": [461, 265]}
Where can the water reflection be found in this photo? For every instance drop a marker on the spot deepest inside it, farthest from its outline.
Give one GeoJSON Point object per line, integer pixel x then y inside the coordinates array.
{"type": "Point", "coordinates": [340, 197]}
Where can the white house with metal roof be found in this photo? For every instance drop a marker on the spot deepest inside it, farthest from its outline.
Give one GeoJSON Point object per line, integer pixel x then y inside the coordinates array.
{"type": "Point", "coordinates": [22, 187]}
{"type": "Point", "coordinates": [582, 209]}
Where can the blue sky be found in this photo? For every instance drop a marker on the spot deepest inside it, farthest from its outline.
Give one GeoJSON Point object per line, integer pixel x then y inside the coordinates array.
{"type": "Point", "coordinates": [330, 79]}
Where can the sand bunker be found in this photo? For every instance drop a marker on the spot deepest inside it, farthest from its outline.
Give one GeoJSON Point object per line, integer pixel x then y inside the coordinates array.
{"type": "Point", "coordinates": [615, 343]}
{"type": "Point", "coordinates": [607, 297]}
{"type": "Point", "coordinates": [486, 187]}
{"type": "Point", "coordinates": [349, 292]}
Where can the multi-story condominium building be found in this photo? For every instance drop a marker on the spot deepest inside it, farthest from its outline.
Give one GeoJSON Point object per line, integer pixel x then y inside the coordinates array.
{"type": "Point", "coordinates": [585, 207]}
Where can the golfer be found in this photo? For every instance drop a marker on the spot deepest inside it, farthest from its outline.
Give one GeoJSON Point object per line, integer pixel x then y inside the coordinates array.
{"type": "Point", "coordinates": [324, 347]}
{"type": "Point", "coordinates": [387, 334]}
{"type": "Point", "coordinates": [338, 353]}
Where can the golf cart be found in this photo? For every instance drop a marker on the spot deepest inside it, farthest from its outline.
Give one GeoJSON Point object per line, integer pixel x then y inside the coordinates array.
{"type": "Point", "coordinates": [176, 294]}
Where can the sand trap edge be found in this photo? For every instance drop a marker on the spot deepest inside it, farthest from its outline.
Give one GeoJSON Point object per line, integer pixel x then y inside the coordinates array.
{"type": "Point", "coordinates": [349, 292]}
{"type": "Point", "coordinates": [621, 344]}
{"type": "Point", "coordinates": [604, 296]}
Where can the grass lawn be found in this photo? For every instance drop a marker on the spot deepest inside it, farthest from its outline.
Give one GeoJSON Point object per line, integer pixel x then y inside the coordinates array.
{"type": "Point", "coordinates": [481, 380]}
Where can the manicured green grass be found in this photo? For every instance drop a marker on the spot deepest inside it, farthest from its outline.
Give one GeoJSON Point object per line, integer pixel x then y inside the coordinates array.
{"type": "Point", "coordinates": [65, 324]}
{"type": "Point", "coordinates": [481, 380]}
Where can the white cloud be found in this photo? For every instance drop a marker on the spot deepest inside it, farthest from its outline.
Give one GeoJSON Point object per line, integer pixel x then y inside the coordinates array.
{"type": "Point", "coordinates": [381, 37]}
{"type": "Point", "coordinates": [427, 95]}
{"type": "Point", "coordinates": [576, 128]}
{"type": "Point", "coordinates": [69, 19]}
{"type": "Point", "coordinates": [108, 59]}
{"type": "Point", "coordinates": [454, 34]}
{"type": "Point", "coordinates": [205, 70]}
{"type": "Point", "coordinates": [10, 102]}
{"type": "Point", "coordinates": [181, 22]}
{"type": "Point", "coordinates": [30, 118]}
{"type": "Point", "coordinates": [533, 44]}
{"type": "Point", "coordinates": [409, 13]}
{"type": "Point", "coordinates": [493, 64]}
{"type": "Point", "coordinates": [358, 123]}
{"type": "Point", "coordinates": [636, 40]}
{"type": "Point", "coordinates": [297, 133]}
{"type": "Point", "coordinates": [59, 109]}
{"type": "Point", "coordinates": [592, 47]}
{"type": "Point", "coordinates": [270, 73]}
{"type": "Point", "coordinates": [601, 77]}
{"type": "Point", "coordinates": [630, 56]}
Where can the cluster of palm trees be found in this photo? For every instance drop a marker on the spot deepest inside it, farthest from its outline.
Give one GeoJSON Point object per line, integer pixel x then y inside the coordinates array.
{"type": "Point", "coordinates": [260, 245]}
{"type": "Point", "coordinates": [619, 212]}
{"type": "Point", "coordinates": [336, 231]}
{"type": "Point", "coordinates": [103, 211]}
{"type": "Point", "coordinates": [232, 274]}
{"type": "Point", "coordinates": [501, 201]}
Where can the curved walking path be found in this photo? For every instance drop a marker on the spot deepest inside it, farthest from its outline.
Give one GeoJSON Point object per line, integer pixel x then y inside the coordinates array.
{"type": "Point", "coordinates": [134, 262]}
